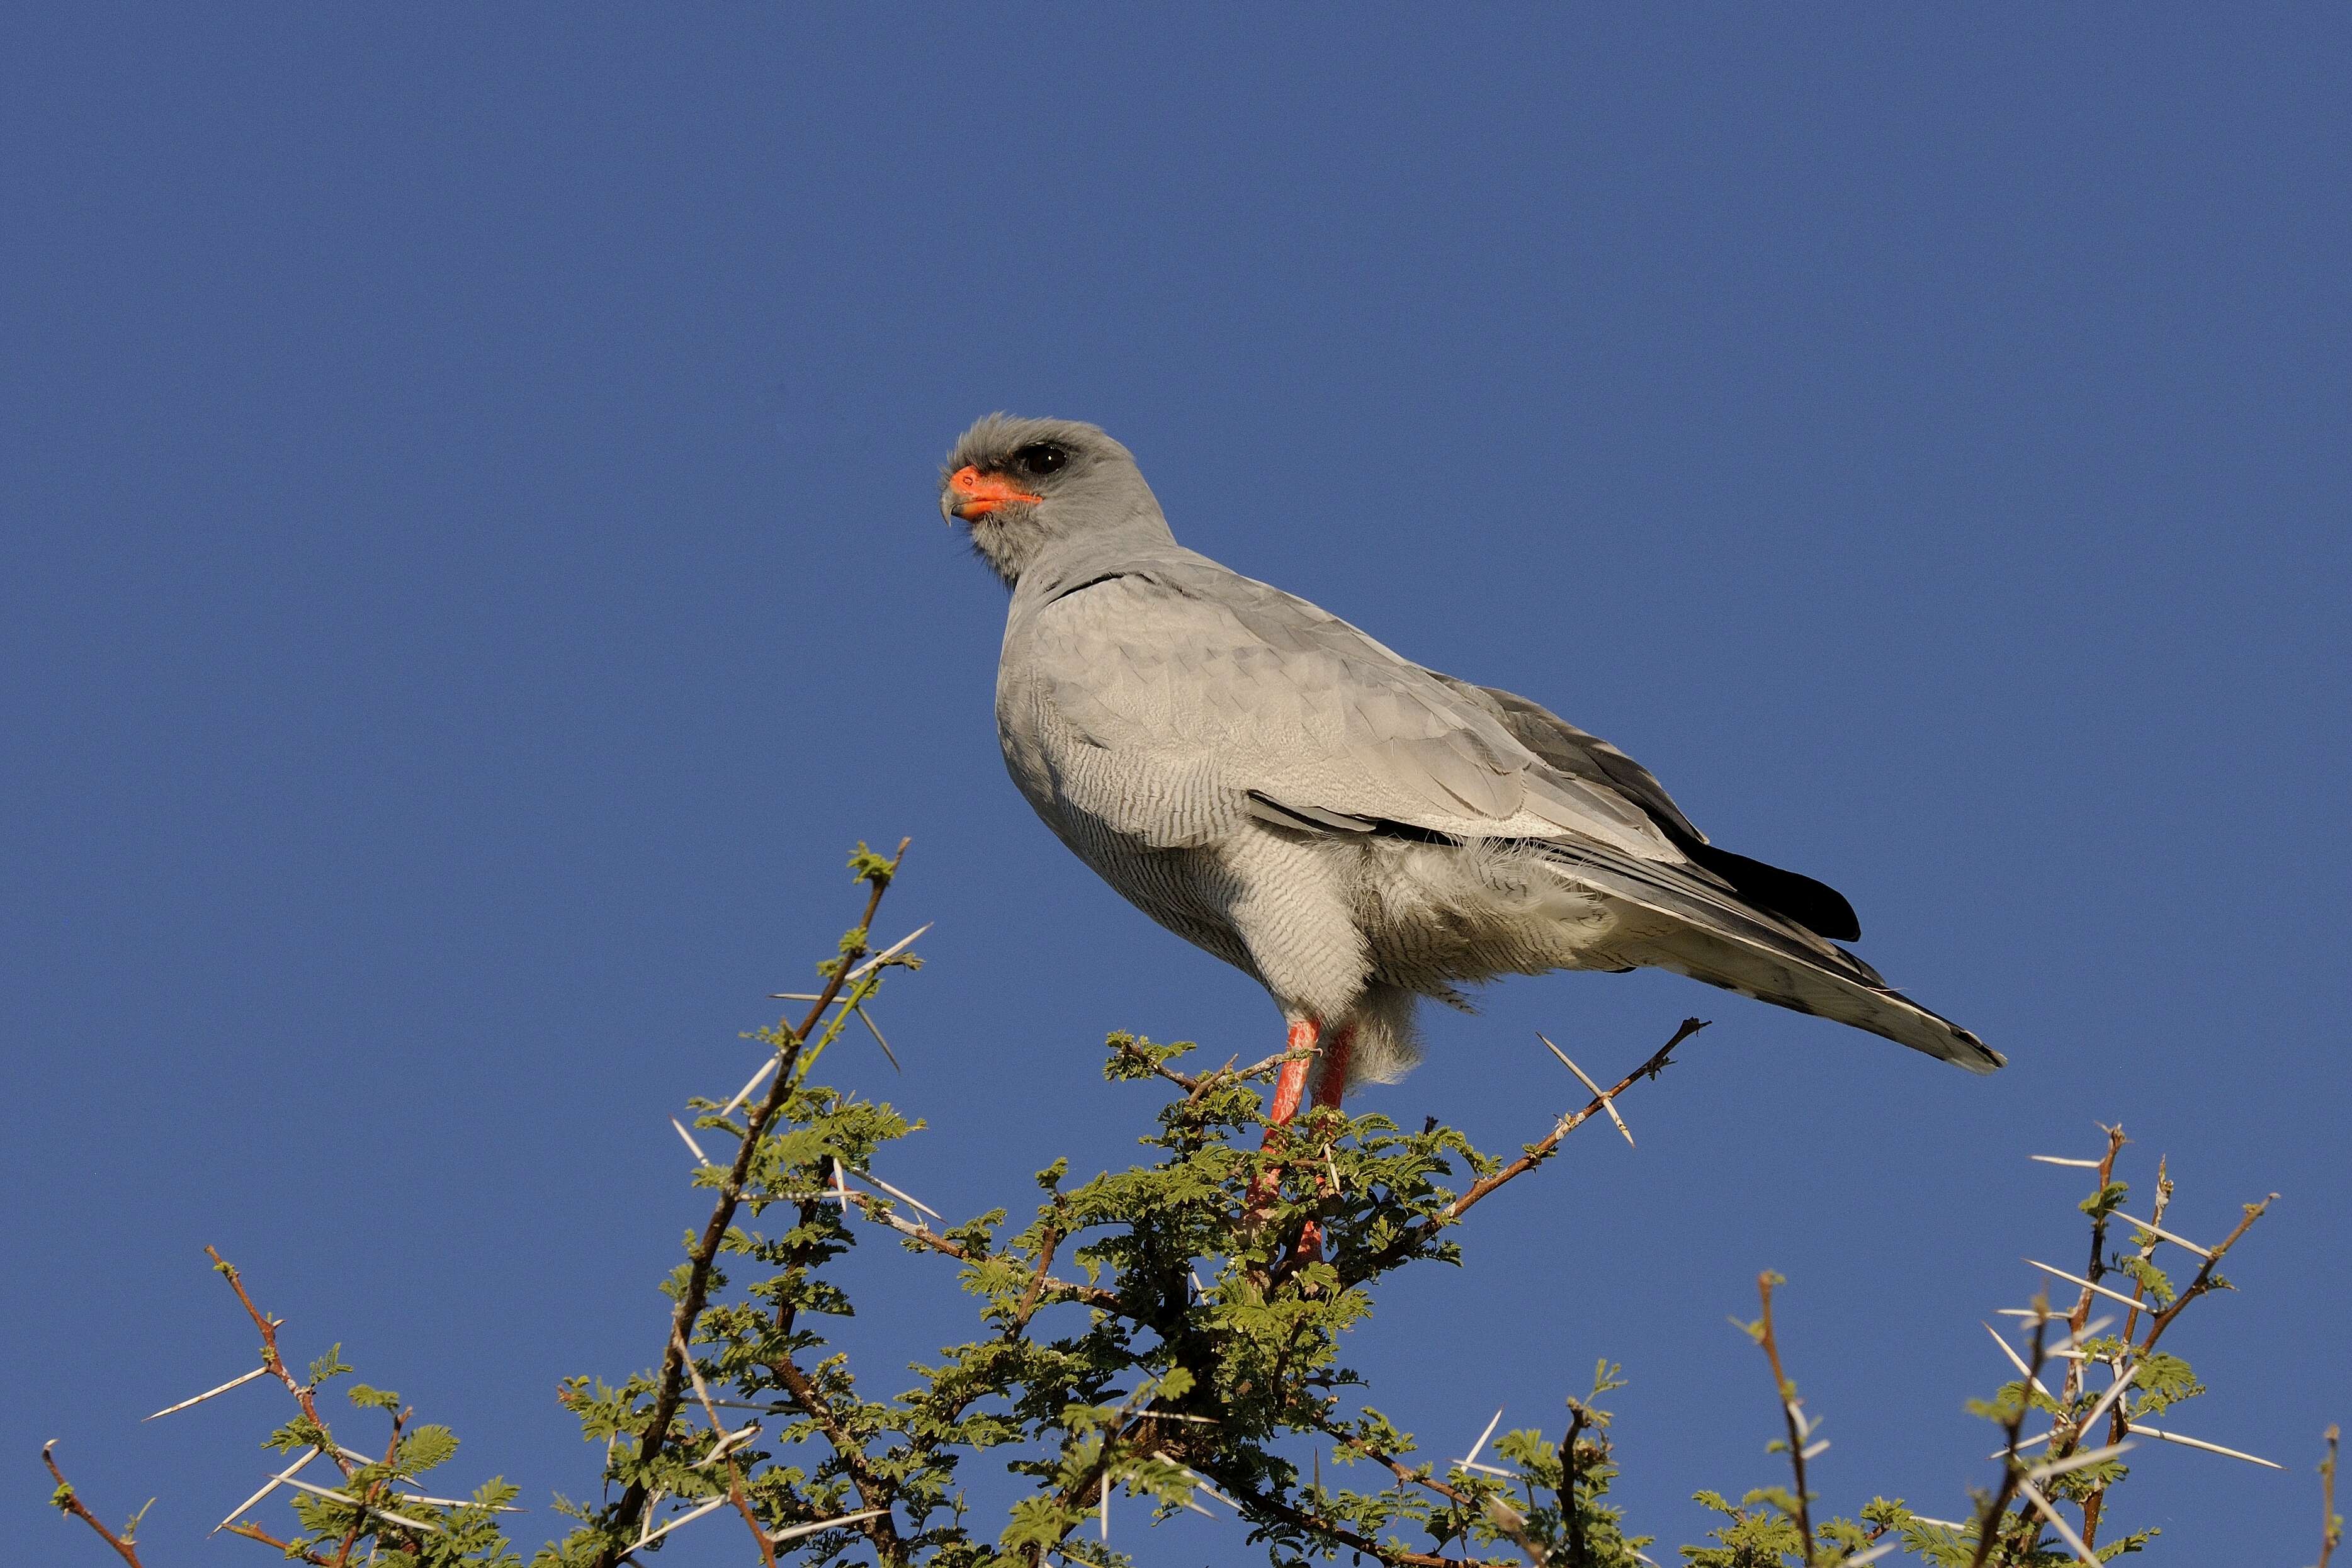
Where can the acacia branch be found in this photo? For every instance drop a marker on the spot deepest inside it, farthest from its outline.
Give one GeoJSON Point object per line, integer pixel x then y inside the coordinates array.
{"type": "Point", "coordinates": [881, 1530]}
{"type": "Point", "coordinates": [1990, 1523]}
{"type": "Point", "coordinates": [1504, 1518]}
{"type": "Point", "coordinates": [2331, 1524]}
{"type": "Point", "coordinates": [253, 1531]}
{"type": "Point", "coordinates": [2205, 1279]}
{"type": "Point", "coordinates": [1418, 1234]}
{"type": "Point", "coordinates": [367, 1504]}
{"type": "Point", "coordinates": [268, 1326]}
{"type": "Point", "coordinates": [1044, 1285]}
{"type": "Point", "coordinates": [671, 1389]}
{"type": "Point", "coordinates": [1787, 1395]}
{"type": "Point", "coordinates": [65, 1497]}
{"type": "Point", "coordinates": [1333, 1531]}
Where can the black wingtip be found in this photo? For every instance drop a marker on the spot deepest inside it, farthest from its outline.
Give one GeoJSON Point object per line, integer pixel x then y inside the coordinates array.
{"type": "Point", "coordinates": [1815, 905]}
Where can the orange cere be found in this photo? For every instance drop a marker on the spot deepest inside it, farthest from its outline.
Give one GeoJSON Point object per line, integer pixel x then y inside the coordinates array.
{"type": "Point", "coordinates": [983, 493]}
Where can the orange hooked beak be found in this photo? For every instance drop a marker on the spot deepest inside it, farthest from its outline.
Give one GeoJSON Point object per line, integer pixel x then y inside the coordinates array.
{"type": "Point", "coordinates": [973, 495]}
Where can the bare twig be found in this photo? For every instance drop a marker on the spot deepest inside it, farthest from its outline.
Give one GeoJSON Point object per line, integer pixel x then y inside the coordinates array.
{"type": "Point", "coordinates": [1799, 1429]}
{"type": "Point", "coordinates": [1505, 1518]}
{"type": "Point", "coordinates": [268, 1327]}
{"type": "Point", "coordinates": [65, 1497]}
{"type": "Point", "coordinates": [2331, 1524]}
{"type": "Point", "coordinates": [1417, 1234]}
{"type": "Point", "coordinates": [2204, 1280]}
{"type": "Point", "coordinates": [253, 1531]}
{"type": "Point", "coordinates": [654, 1434]}
{"type": "Point", "coordinates": [2013, 1469]}
{"type": "Point", "coordinates": [1608, 1102]}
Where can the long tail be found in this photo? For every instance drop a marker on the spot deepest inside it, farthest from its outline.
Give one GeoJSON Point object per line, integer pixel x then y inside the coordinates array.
{"type": "Point", "coordinates": [1709, 934]}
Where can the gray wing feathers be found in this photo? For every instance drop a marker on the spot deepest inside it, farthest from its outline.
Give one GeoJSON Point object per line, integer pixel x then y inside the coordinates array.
{"type": "Point", "coordinates": [1575, 752]}
{"type": "Point", "coordinates": [1715, 938]}
{"type": "Point", "coordinates": [1184, 663]}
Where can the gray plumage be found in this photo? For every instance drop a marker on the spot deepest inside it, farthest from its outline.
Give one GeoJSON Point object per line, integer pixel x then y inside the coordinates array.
{"type": "Point", "coordinates": [1352, 829]}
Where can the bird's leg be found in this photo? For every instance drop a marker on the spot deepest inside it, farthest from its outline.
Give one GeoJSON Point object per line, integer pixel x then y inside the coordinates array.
{"type": "Point", "coordinates": [1328, 1092]}
{"type": "Point", "coordinates": [1289, 1094]}
{"type": "Point", "coordinates": [1289, 1090]}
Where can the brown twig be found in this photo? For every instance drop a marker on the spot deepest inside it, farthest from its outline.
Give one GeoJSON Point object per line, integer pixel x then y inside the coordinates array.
{"type": "Point", "coordinates": [1031, 1297]}
{"type": "Point", "coordinates": [2204, 1280]}
{"type": "Point", "coordinates": [268, 1327]}
{"type": "Point", "coordinates": [1504, 1518]}
{"type": "Point", "coordinates": [391, 1452]}
{"type": "Point", "coordinates": [2072, 1388]}
{"type": "Point", "coordinates": [1333, 1531]}
{"type": "Point", "coordinates": [65, 1497]}
{"type": "Point", "coordinates": [1990, 1522]}
{"type": "Point", "coordinates": [705, 1254]}
{"type": "Point", "coordinates": [1417, 1234]}
{"type": "Point", "coordinates": [253, 1531]}
{"type": "Point", "coordinates": [871, 1491]}
{"type": "Point", "coordinates": [743, 1506]}
{"type": "Point", "coordinates": [2331, 1524]}
{"type": "Point", "coordinates": [1798, 1429]}
{"type": "Point", "coordinates": [1060, 1289]}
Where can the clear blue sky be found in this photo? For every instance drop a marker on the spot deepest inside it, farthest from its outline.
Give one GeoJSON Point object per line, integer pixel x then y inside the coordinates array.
{"type": "Point", "coordinates": [472, 571]}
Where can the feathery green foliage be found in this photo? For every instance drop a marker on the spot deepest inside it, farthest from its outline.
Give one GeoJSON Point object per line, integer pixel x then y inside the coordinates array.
{"type": "Point", "coordinates": [1171, 1334]}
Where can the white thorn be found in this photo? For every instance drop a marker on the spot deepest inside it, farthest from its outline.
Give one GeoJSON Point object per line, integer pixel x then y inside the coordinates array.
{"type": "Point", "coordinates": [874, 1030]}
{"type": "Point", "coordinates": [455, 1502]}
{"type": "Point", "coordinates": [349, 1501]}
{"type": "Point", "coordinates": [2032, 1494]}
{"type": "Point", "coordinates": [1481, 1440]}
{"type": "Point", "coordinates": [2200, 1443]}
{"type": "Point", "coordinates": [2023, 1444]}
{"type": "Point", "coordinates": [2016, 1361]}
{"type": "Point", "coordinates": [267, 1487]}
{"type": "Point", "coordinates": [797, 1531]}
{"type": "Point", "coordinates": [1106, 1505]}
{"type": "Point", "coordinates": [886, 953]}
{"type": "Point", "coordinates": [686, 1517]}
{"type": "Point", "coordinates": [2114, 1393]}
{"type": "Point", "coordinates": [2167, 1235]}
{"type": "Point", "coordinates": [1815, 1451]}
{"type": "Point", "coordinates": [908, 1198]}
{"type": "Point", "coordinates": [2043, 1472]}
{"type": "Point", "coordinates": [745, 1092]}
{"type": "Point", "coordinates": [700, 1158]}
{"type": "Point", "coordinates": [2062, 1160]}
{"type": "Point", "coordinates": [1608, 1103]}
{"type": "Point", "coordinates": [2072, 1339]}
{"type": "Point", "coordinates": [1873, 1553]}
{"type": "Point", "coordinates": [2078, 1280]}
{"type": "Point", "coordinates": [207, 1393]}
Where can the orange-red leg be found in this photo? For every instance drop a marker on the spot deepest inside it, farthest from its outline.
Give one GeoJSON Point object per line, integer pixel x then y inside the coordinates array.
{"type": "Point", "coordinates": [1289, 1092]}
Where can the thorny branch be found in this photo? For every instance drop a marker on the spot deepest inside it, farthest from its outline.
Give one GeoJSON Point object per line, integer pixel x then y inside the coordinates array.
{"type": "Point", "coordinates": [268, 1326]}
{"type": "Point", "coordinates": [2206, 1279]}
{"type": "Point", "coordinates": [1787, 1392]}
{"type": "Point", "coordinates": [1505, 1518]}
{"type": "Point", "coordinates": [2094, 1271]}
{"type": "Point", "coordinates": [705, 1256]}
{"type": "Point", "coordinates": [1989, 1522]}
{"type": "Point", "coordinates": [66, 1499]}
{"type": "Point", "coordinates": [1415, 1235]}
{"type": "Point", "coordinates": [375, 1489]}
{"type": "Point", "coordinates": [2331, 1524]}
{"type": "Point", "coordinates": [253, 1531]}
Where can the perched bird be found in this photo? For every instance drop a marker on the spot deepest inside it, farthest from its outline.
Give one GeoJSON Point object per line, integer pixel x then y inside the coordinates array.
{"type": "Point", "coordinates": [1353, 831]}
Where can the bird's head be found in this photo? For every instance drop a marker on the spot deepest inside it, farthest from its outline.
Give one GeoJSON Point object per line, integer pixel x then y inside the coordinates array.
{"type": "Point", "coordinates": [1023, 486]}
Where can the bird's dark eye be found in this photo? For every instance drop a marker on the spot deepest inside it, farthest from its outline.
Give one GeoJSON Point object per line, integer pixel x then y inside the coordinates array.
{"type": "Point", "coordinates": [1040, 457]}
